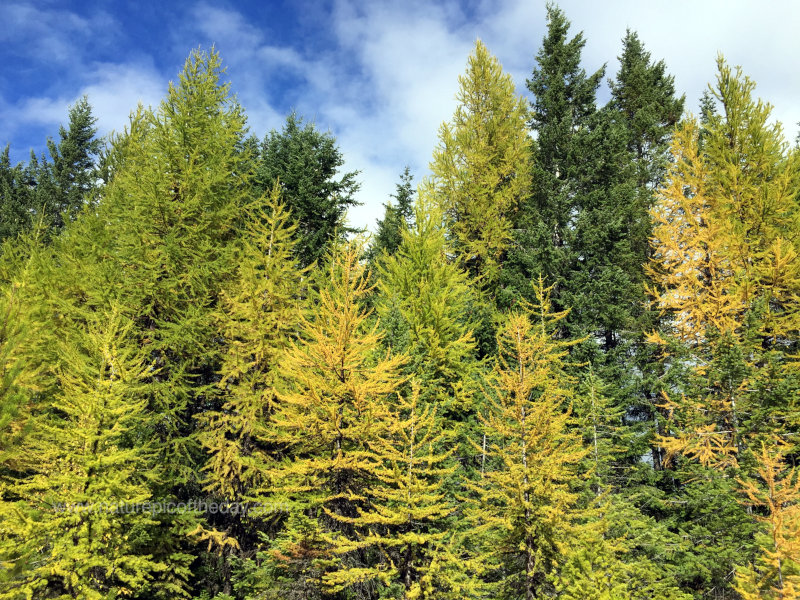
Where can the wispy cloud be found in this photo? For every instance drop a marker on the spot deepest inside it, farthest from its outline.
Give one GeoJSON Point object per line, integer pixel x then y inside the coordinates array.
{"type": "Point", "coordinates": [379, 75]}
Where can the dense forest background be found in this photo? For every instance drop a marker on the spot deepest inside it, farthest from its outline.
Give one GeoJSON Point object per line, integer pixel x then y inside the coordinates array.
{"type": "Point", "coordinates": [565, 365]}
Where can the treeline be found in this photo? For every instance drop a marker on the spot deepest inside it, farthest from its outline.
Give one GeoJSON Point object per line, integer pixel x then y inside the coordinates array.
{"type": "Point", "coordinates": [565, 366]}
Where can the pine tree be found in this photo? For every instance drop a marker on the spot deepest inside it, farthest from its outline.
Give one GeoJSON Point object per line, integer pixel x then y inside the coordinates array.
{"type": "Point", "coordinates": [307, 163]}
{"type": "Point", "coordinates": [73, 159]}
{"type": "Point", "coordinates": [563, 102]}
{"type": "Point", "coordinates": [523, 513]}
{"type": "Point", "coordinates": [480, 167]}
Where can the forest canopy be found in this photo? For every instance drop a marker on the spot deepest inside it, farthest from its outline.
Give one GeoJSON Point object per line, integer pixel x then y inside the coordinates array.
{"type": "Point", "coordinates": [564, 366]}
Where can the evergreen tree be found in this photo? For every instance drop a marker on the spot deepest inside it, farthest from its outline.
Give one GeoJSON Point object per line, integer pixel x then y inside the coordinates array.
{"type": "Point", "coordinates": [644, 94]}
{"type": "Point", "coordinates": [396, 219]}
{"type": "Point", "coordinates": [16, 210]}
{"type": "Point", "coordinates": [73, 160]}
{"type": "Point", "coordinates": [563, 102]}
{"type": "Point", "coordinates": [307, 163]}
{"type": "Point", "coordinates": [480, 167]}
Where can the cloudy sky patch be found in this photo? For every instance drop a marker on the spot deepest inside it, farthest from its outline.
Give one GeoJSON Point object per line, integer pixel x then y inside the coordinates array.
{"type": "Point", "coordinates": [380, 75]}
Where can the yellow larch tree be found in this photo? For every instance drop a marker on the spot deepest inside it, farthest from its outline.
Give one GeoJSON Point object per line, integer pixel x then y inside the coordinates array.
{"type": "Point", "coordinates": [480, 169]}
{"type": "Point", "coordinates": [76, 523]}
{"type": "Point", "coordinates": [522, 512]}
{"type": "Point", "coordinates": [408, 504]}
{"type": "Point", "coordinates": [725, 270]}
{"type": "Point", "coordinates": [335, 398]}
{"type": "Point", "coordinates": [776, 491]}
{"type": "Point", "coordinates": [259, 313]}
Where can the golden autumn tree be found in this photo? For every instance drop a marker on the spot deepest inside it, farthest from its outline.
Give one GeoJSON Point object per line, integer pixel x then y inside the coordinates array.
{"type": "Point", "coordinates": [776, 492]}
{"type": "Point", "coordinates": [334, 401]}
{"type": "Point", "coordinates": [480, 169]}
{"type": "Point", "coordinates": [726, 271]}
{"type": "Point", "coordinates": [259, 313]}
{"type": "Point", "coordinates": [522, 512]}
{"type": "Point", "coordinates": [77, 522]}
{"type": "Point", "coordinates": [408, 504]}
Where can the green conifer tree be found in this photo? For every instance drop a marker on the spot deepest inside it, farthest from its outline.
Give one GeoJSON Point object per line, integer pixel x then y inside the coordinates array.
{"type": "Point", "coordinates": [307, 162]}
{"type": "Point", "coordinates": [396, 219]}
{"type": "Point", "coordinates": [73, 159]}
{"type": "Point", "coordinates": [563, 102]}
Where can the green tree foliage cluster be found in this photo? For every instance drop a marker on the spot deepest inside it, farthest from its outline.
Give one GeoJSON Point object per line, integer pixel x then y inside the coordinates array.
{"type": "Point", "coordinates": [564, 367]}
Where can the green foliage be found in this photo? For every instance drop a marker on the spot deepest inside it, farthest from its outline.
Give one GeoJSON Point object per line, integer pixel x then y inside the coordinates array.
{"type": "Point", "coordinates": [73, 169]}
{"type": "Point", "coordinates": [307, 164]}
{"type": "Point", "coordinates": [200, 330]}
{"type": "Point", "coordinates": [426, 304]}
{"type": "Point", "coordinates": [396, 219]}
{"type": "Point", "coordinates": [72, 523]}
{"type": "Point", "coordinates": [48, 194]}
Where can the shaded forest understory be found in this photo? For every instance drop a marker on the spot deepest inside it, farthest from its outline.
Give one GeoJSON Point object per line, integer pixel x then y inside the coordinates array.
{"type": "Point", "coordinates": [565, 366]}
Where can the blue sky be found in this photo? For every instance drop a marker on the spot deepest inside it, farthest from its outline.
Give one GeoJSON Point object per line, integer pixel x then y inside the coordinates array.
{"type": "Point", "coordinates": [381, 76]}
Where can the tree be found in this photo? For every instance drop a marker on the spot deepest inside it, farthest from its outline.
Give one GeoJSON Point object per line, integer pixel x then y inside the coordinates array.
{"type": "Point", "coordinates": [74, 168]}
{"type": "Point", "coordinates": [563, 102]}
{"type": "Point", "coordinates": [425, 304]}
{"type": "Point", "coordinates": [777, 572]}
{"type": "Point", "coordinates": [167, 225]}
{"type": "Point", "coordinates": [480, 166]}
{"type": "Point", "coordinates": [724, 268]}
{"type": "Point", "coordinates": [335, 398]}
{"type": "Point", "coordinates": [644, 94]}
{"type": "Point", "coordinates": [396, 219]}
{"type": "Point", "coordinates": [523, 512]}
{"type": "Point", "coordinates": [725, 265]}
{"type": "Point", "coordinates": [42, 193]}
{"type": "Point", "coordinates": [408, 503]}
{"type": "Point", "coordinates": [307, 164]}
{"type": "Point", "coordinates": [16, 210]}
{"type": "Point", "coordinates": [73, 524]}
{"type": "Point", "coordinates": [259, 313]}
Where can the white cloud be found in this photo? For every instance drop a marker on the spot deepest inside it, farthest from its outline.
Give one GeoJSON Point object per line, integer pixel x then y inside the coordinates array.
{"type": "Point", "coordinates": [114, 90]}
{"type": "Point", "coordinates": [389, 79]}
{"type": "Point", "coordinates": [54, 35]}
